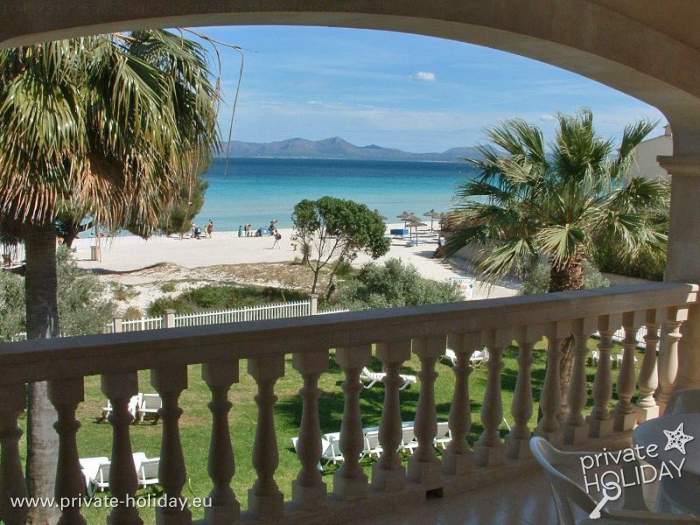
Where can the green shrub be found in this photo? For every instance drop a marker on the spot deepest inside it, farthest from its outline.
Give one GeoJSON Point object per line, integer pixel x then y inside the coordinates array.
{"type": "Point", "coordinates": [121, 292]}
{"type": "Point", "coordinates": [132, 313]}
{"type": "Point", "coordinates": [393, 284]}
{"type": "Point", "coordinates": [222, 297]}
{"type": "Point", "coordinates": [537, 279]}
{"type": "Point", "coordinates": [168, 287]}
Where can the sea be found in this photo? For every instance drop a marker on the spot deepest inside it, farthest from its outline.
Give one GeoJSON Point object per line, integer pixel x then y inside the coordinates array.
{"type": "Point", "coordinates": [256, 190]}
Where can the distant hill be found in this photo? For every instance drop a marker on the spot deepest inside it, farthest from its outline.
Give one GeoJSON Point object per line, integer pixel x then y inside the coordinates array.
{"type": "Point", "coordinates": [335, 148]}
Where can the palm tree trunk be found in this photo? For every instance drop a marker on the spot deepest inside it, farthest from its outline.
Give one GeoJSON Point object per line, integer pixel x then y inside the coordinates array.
{"type": "Point", "coordinates": [42, 322]}
{"type": "Point", "coordinates": [563, 278]}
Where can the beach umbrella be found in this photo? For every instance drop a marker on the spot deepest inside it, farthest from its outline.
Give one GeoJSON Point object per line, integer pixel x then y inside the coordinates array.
{"type": "Point", "coordinates": [404, 216]}
{"type": "Point", "coordinates": [415, 222]}
{"type": "Point", "coordinates": [432, 213]}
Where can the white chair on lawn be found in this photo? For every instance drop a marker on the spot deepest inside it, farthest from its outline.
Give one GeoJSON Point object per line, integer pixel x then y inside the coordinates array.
{"type": "Point", "coordinates": [443, 436]}
{"type": "Point", "coordinates": [97, 480]}
{"type": "Point", "coordinates": [369, 378]}
{"type": "Point", "coordinates": [90, 467]}
{"type": "Point", "coordinates": [331, 453]}
{"type": "Point", "coordinates": [134, 403]}
{"type": "Point", "coordinates": [408, 439]}
{"type": "Point", "coordinates": [478, 357]}
{"type": "Point", "coordinates": [147, 472]}
{"type": "Point", "coordinates": [149, 407]}
{"type": "Point", "coordinates": [569, 496]}
{"type": "Point", "coordinates": [372, 447]}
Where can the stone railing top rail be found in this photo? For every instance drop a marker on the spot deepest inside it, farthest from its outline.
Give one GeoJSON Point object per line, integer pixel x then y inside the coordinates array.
{"type": "Point", "coordinates": [44, 359]}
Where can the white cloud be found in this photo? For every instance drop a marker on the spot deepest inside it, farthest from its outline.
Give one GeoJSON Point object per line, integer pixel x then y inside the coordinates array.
{"type": "Point", "coordinates": [424, 76]}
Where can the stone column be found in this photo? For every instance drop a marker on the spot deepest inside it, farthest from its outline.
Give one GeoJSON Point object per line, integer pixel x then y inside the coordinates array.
{"type": "Point", "coordinates": [224, 508]}
{"type": "Point", "coordinates": [549, 426]}
{"type": "Point", "coordinates": [668, 355]}
{"type": "Point", "coordinates": [350, 482]}
{"type": "Point", "coordinates": [119, 388]}
{"type": "Point", "coordinates": [388, 475]}
{"type": "Point", "coordinates": [517, 442]}
{"type": "Point", "coordinates": [169, 382]}
{"type": "Point", "coordinates": [684, 245]}
{"type": "Point", "coordinates": [575, 427]}
{"type": "Point", "coordinates": [11, 471]}
{"type": "Point", "coordinates": [488, 450]}
{"type": "Point", "coordinates": [599, 422]}
{"type": "Point", "coordinates": [625, 415]}
{"type": "Point", "coordinates": [649, 373]}
{"type": "Point", "coordinates": [424, 466]}
{"type": "Point", "coordinates": [265, 500]}
{"type": "Point", "coordinates": [458, 458]}
{"type": "Point", "coordinates": [66, 395]}
{"type": "Point", "coordinates": [309, 490]}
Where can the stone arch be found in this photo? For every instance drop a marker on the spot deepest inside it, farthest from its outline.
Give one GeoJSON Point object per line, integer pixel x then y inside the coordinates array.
{"type": "Point", "coordinates": [636, 46]}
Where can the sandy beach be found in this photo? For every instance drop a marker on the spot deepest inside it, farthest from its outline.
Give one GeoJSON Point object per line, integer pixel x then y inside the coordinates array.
{"type": "Point", "coordinates": [133, 261]}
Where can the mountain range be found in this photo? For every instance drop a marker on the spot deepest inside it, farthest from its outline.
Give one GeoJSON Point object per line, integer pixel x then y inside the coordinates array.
{"type": "Point", "coordinates": [335, 148]}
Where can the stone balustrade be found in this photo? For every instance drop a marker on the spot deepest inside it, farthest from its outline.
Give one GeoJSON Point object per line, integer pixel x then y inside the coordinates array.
{"type": "Point", "coordinates": [392, 334]}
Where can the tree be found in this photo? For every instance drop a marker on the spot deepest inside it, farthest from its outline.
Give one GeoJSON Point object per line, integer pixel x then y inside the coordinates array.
{"type": "Point", "coordinates": [336, 230]}
{"type": "Point", "coordinates": [103, 125]}
{"type": "Point", "coordinates": [562, 205]}
{"type": "Point", "coordinates": [182, 212]}
{"type": "Point", "coordinates": [82, 305]}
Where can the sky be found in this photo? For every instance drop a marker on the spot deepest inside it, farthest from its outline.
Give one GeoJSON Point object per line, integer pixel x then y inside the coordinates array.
{"type": "Point", "coordinates": [398, 90]}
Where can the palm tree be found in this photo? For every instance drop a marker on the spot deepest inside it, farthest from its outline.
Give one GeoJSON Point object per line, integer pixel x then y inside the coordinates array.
{"type": "Point", "coordinates": [561, 205]}
{"type": "Point", "coordinates": [104, 125]}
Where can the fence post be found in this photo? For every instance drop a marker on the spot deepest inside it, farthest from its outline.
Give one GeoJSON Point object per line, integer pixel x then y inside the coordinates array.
{"type": "Point", "coordinates": [313, 299]}
{"type": "Point", "coordinates": [117, 325]}
{"type": "Point", "coordinates": [169, 319]}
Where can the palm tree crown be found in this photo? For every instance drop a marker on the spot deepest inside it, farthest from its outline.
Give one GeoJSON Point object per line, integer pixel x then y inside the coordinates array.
{"type": "Point", "coordinates": [528, 203]}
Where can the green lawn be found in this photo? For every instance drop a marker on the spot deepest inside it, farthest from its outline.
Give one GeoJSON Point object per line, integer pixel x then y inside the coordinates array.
{"type": "Point", "coordinates": [95, 438]}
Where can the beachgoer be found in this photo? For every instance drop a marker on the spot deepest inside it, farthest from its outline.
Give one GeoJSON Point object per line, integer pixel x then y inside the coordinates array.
{"type": "Point", "coordinates": [210, 228]}
{"type": "Point", "coordinates": [197, 232]}
{"type": "Point", "coordinates": [258, 232]}
{"type": "Point", "coordinates": [278, 238]}
{"type": "Point", "coordinates": [240, 230]}
{"type": "Point", "coordinates": [194, 227]}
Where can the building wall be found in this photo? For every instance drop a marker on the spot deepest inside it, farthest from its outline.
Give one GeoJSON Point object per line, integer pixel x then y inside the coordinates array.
{"type": "Point", "coordinates": [645, 163]}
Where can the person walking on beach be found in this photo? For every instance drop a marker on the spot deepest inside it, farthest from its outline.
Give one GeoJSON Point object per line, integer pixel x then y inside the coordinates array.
{"type": "Point", "coordinates": [278, 238]}
{"type": "Point", "coordinates": [240, 230]}
{"type": "Point", "coordinates": [210, 228]}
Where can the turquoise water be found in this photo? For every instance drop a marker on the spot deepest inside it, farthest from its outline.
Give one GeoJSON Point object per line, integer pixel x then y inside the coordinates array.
{"type": "Point", "coordinates": [256, 191]}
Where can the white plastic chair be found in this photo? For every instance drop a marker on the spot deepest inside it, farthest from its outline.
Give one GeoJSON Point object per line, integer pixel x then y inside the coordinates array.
{"type": "Point", "coordinates": [369, 378]}
{"type": "Point", "coordinates": [149, 407]}
{"type": "Point", "coordinates": [443, 436]}
{"type": "Point", "coordinates": [134, 403]}
{"type": "Point", "coordinates": [147, 472]}
{"type": "Point", "coordinates": [372, 448]}
{"type": "Point", "coordinates": [568, 495]}
{"type": "Point", "coordinates": [90, 468]}
{"type": "Point", "coordinates": [99, 480]}
{"type": "Point", "coordinates": [331, 453]}
{"type": "Point", "coordinates": [408, 439]}
{"type": "Point", "coordinates": [478, 357]}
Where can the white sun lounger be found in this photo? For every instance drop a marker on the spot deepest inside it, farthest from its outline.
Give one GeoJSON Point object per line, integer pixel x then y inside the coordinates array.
{"type": "Point", "coordinates": [372, 447]}
{"type": "Point", "coordinates": [149, 407]}
{"type": "Point", "coordinates": [96, 473]}
{"type": "Point", "coordinates": [134, 403]}
{"type": "Point", "coordinates": [147, 473]}
{"type": "Point", "coordinates": [369, 378]}
{"type": "Point", "coordinates": [478, 357]}
{"type": "Point", "coordinates": [330, 451]}
{"type": "Point", "coordinates": [615, 359]}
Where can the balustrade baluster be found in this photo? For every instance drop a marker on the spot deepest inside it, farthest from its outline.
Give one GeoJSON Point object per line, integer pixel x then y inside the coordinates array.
{"type": "Point", "coordinates": [265, 499]}
{"type": "Point", "coordinates": [649, 373]}
{"type": "Point", "coordinates": [668, 356]}
{"type": "Point", "coordinates": [66, 395]}
{"type": "Point", "coordinates": [309, 490]}
{"type": "Point", "coordinates": [169, 383]}
{"type": "Point", "coordinates": [458, 457]}
{"type": "Point", "coordinates": [600, 423]}
{"type": "Point", "coordinates": [517, 441]}
{"type": "Point", "coordinates": [224, 508]}
{"type": "Point", "coordinates": [350, 482]}
{"type": "Point", "coordinates": [550, 403]}
{"type": "Point", "coordinates": [575, 427]}
{"type": "Point", "coordinates": [11, 473]}
{"type": "Point", "coordinates": [625, 414]}
{"type": "Point", "coordinates": [119, 388]}
{"type": "Point", "coordinates": [488, 450]}
{"type": "Point", "coordinates": [388, 475]}
{"type": "Point", "coordinates": [424, 466]}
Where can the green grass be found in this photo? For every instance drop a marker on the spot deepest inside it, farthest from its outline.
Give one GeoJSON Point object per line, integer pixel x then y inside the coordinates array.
{"type": "Point", "coordinates": [94, 439]}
